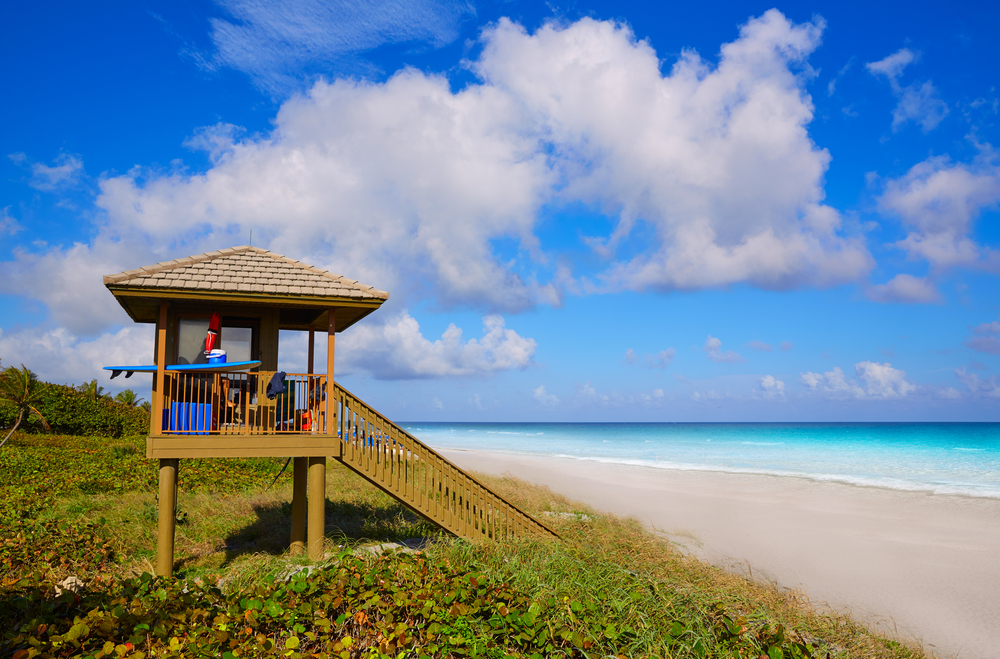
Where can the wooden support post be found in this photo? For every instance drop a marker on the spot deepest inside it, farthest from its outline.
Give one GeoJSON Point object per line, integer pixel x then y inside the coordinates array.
{"type": "Point", "coordinates": [166, 517]}
{"type": "Point", "coordinates": [299, 468]}
{"type": "Point", "coordinates": [312, 350]}
{"type": "Point", "coordinates": [156, 417]}
{"type": "Point", "coordinates": [331, 350]}
{"type": "Point", "coordinates": [317, 507]}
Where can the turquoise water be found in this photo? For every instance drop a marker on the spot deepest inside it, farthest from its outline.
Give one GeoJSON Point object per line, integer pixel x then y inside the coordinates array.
{"type": "Point", "coordinates": [943, 458]}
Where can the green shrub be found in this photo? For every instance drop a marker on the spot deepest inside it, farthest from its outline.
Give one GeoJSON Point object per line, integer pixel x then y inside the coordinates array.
{"type": "Point", "coordinates": [72, 412]}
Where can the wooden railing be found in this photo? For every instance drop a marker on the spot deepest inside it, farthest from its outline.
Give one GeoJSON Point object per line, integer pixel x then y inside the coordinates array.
{"type": "Point", "coordinates": [238, 404]}
{"type": "Point", "coordinates": [416, 475]}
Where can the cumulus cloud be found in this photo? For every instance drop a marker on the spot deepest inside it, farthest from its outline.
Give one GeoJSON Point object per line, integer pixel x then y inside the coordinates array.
{"type": "Point", "coordinates": [544, 399]}
{"type": "Point", "coordinates": [905, 288]}
{"type": "Point", "coordinates": [786, 346]}
{"type": "Point", "coordinates": [939, 202]}
{"type": "Point", "coordinates": [713, 347]}
{"type": "Point", "coordinates": [986, 338]}
{"type": "Point", "coordinates": [769, 388]}
{"type": "Point", "coordinates": [874, 381]}
{"type": "Point", "coordinates": [60, 356]}
{"type": "Point", "coordinates": [275, 43]}
{"type": "Point", "coordinates": [918, 102]}
{"type": "Point", "coordinates": [630, 356]}
{"type": "Point", "coordinates": [70, 282]}
{"type": "Point", "coordinates": [717, 160]}
{"type": "Point", "coordinates": [396, 350]}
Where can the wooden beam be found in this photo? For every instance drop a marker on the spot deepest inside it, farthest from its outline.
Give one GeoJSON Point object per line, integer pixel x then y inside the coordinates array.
{"type": "Point", "coordinates": [242, 446]}
{"type": "Point", "coordinates": [317, 507]}
{"type": "Point", "coordinates": [263, 299]}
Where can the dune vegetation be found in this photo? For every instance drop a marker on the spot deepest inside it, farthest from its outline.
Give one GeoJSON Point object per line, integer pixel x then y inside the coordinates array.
{"type": "Point", "coordinates": [77, 542]}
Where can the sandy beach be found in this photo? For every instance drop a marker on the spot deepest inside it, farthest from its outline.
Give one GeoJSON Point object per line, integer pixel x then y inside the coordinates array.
{"type": "Point", "coordinates": [913, 565]}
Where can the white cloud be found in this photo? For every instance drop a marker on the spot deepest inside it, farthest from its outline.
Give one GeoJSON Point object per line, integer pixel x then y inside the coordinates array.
{"type": "Point", "coordinates": [905, 288]}
{"type": "Point", "coordinates": [66, 171]}
{"type": "Point", "coordinates": [979, 386]}
{"type": "Point", "coordinates": [939, 201]}
{"type": "Point", "coordinates": [544, 399]}
{"type": "Point", "coordinates": [769, 388]}
{"type": "Point", "coordinates": [892, 66]}
{"type": "Point", "coordinates": [396, 350]}
{"type": "Point", "coordinates": [987, 328]}
{"type": "Point", "coordinates": [949, 393]}
{"type": "Point", "coordinates": [662, 359]}
{"type": "Point", "coordinates": [717, 160]}
{"type": "Point", "coordinates": [985, 339]}
{"type": "Point", "coordinates": [760, 346]}
{"type": "Point", "coordinates": [786, 345]}
{"type": "Point", "coordinates": [920, 104]}
{"type": "Point", "coordinates": [70, 282]}
{"type": "Point", "coordinates": [917, 102]}
{"type": "Point", "coordinates": [8, 225]}
{"type": "Point", "coordinates": [630, 356]}
{"type": "Point", "coordinates": [874, 381]}
{"type": "Point", "coordinates": [713, 347]}
{"type": "Point", "coordinates": [275, 43]}
{"type": "Point", "coordinates": [62, 357]}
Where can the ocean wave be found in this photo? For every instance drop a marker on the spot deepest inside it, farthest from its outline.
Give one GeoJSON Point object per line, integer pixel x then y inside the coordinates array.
{"type": "Point", "coordinates": [763, 443]}
{"type": "Point", "coordinates": [883, 482]}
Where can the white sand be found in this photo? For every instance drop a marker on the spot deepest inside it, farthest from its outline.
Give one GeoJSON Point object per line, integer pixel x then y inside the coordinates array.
{"type": "Point", "coordinates": [914, 565]}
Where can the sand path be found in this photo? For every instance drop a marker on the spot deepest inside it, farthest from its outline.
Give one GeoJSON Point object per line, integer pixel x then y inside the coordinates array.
{"type": "Point", "coordinates": [919, 566]}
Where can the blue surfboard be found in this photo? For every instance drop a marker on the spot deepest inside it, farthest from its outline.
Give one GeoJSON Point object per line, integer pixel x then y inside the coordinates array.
{"type": "Point", "coordinates": [224, 367]}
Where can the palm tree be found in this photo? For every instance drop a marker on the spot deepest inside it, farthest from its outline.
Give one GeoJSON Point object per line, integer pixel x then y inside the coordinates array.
{"type": "Point", "coordinates": [91, 390]}
{"type": "Point", "coordinates": [129, 397]}
{"type": "Point", "coordinates": [20, 389]}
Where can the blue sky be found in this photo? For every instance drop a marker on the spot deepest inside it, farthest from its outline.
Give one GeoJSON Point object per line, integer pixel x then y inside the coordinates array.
{"type": "Point", "coordinates": [583, 211]}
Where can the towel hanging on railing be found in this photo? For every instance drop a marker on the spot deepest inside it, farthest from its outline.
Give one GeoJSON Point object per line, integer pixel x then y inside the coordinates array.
{"type": "Point", "coordinates": [277, 385]}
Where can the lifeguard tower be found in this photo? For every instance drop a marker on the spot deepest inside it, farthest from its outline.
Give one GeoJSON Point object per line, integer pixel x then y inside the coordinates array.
{"type": "Point", "coordinates": [202, 410]}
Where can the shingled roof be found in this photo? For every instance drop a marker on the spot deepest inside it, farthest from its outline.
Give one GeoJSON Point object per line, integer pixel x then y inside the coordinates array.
{"type": "Point", "coordinates": [249, 270]}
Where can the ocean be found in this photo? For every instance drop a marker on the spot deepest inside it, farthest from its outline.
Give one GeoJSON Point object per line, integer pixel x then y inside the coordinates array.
{"type": "Point", "coordinates": [941, 458]}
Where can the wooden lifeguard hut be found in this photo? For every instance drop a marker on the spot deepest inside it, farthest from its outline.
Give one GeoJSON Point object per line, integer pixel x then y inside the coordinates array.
{"type": "Point", "coordinates": [213, 411]}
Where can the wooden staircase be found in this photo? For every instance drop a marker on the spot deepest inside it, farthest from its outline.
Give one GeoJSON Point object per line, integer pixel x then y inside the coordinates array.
{"type": "Point", "coordinates": [420, 478]}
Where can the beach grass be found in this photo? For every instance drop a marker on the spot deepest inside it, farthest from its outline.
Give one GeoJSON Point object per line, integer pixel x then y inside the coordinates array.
{"type": "Point", "coordinates": [85, 507]}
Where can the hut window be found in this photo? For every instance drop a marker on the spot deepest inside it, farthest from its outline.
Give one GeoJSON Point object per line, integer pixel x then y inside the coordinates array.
{"type": "Point", "coordinates": [236, 341]}
{"type": "Point", "coordinates": [191, 340]}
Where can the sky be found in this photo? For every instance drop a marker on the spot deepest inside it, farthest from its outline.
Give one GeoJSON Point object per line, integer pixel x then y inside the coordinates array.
{"type": "Point", "coordinates": [583, 211]}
